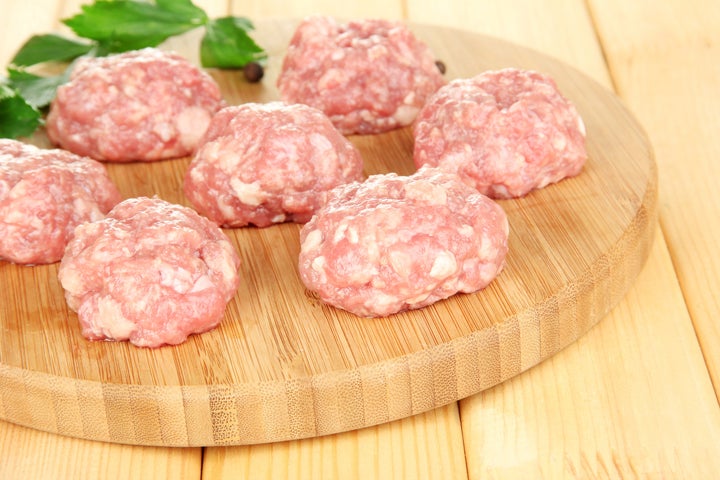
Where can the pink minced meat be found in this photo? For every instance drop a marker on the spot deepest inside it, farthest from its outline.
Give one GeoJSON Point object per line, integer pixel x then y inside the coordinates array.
{"type": "Point", "coordinates": [152, 273]}
{"type": "Point", "coordinates": [141, 105]}
{"type": "Point", "coordinates": [44, 195]}
{"type": "Point", "coordinates": [505, 132]}
{"type": "Point", "coordinates": [263, 164]}
{"type": "Point", "coordinates": [395, 243]}
{"type": "Point", "coordinates": [368, 76]}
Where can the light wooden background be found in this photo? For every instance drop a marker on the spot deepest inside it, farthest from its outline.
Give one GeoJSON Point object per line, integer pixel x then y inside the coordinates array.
{"type": "Point", "coordinates": [634, 398]}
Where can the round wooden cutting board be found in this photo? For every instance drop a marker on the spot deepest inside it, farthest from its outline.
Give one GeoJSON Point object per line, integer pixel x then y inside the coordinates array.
{"type": "Point", "coordinates": [284, 366]}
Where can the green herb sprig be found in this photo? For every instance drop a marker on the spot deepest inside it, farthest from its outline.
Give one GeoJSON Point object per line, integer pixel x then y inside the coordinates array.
{"type": "Point", "coordinates": [113, 26]}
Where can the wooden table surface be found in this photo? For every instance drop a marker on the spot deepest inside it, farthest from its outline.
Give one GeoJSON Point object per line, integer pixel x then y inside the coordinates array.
{"type": "Point", "coordinates": [636, 397]}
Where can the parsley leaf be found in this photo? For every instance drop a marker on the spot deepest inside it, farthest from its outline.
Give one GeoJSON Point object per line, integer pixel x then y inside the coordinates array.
{"type": "Point", "coordinates": [123, 25]}
{"type": "Point", "coordinates": [36, 90]}
{"type": "Point", "coordinates": [226, 43]}
{"type": "Point", "coordinates": [17, 117]}
{"type": "Point", "coordinates": [49, 48]}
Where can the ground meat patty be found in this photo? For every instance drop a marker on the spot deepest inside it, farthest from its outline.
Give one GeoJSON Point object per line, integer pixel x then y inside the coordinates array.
{"type": "Point", "coordinates": [141, 105]}
{"type": "Point", "coordinates": [368, 76]}
{"type": "Point", "coordinates": [262, 164]}
{"type": "Point", "coordinates": [151, 272]}
{"type": "Point", "coordinates": [44, 195]}
{"type": "Point", "coordinates": [395, 243]}
{"type": "Point", "coordinates": [504, 132]}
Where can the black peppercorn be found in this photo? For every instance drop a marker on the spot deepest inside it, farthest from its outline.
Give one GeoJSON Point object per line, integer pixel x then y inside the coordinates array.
{"type": "Point", "coordinates": [253, 72]}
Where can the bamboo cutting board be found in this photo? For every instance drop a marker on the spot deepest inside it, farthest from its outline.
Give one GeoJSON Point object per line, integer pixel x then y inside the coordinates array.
{"type": "Point", "coordinates": [284, 366]}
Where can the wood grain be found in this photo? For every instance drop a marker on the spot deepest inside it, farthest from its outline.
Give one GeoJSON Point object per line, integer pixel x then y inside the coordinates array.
{"type": "Point", "coordinates": [283, 366]}
{"type": "Point", "coordinates": [585, 412]}
{"type": "Point", "coordinates": [559, 28]}
{"type": "Point", "coordinates": [40, 455]}
{"type": "Point", "coordinates": [425, 446]}
{"type": "Point", "coordinates": [677, 51]}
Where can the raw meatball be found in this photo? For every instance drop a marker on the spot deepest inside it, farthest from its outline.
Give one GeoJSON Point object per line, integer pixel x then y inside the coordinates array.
{"type": "Point", "coordinates": [368, 76]}
{"type": "Point", "coordinates": [396, 243]}
{"type": "Point", "coordinates": [269, 163]}
{"type": "Point", "coordinates": [151, 272]}
{"type": "Point", "coordinates": [504, 132]}
{"type": "Point", "coordinates": [141, 105]}
{"type": "Point", "coordinates": [44, 195]}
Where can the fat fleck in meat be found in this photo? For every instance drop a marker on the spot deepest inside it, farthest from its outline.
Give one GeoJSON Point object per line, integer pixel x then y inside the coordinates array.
{"type": "Point", "coordinates": [394, 243]}
{"type": "Point", "coordinates": [368, 76]}
{"type": "Point", "coordinates": [141, 105]}
{"type": "Point", "coordinates": [263, 164]}
{"type": "Point", "coordinates": [505, 132]}
{"type": "Point", "coordinates": [151, 272]}
{"type": "Point", "coordinates": [44, 195]}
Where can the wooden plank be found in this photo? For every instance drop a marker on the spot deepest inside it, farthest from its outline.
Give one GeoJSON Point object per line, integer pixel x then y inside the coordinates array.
{"type": "Point", "coordinates": [33, 454]}
{"type": "Point", "coordinates": [665, 61]}
{"type": "Point", "coordinates": [17, 23]}
{"type": "Point", "coordinates": [424, 447]}
{"type": "Point", "coordinates": [628, 400]}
